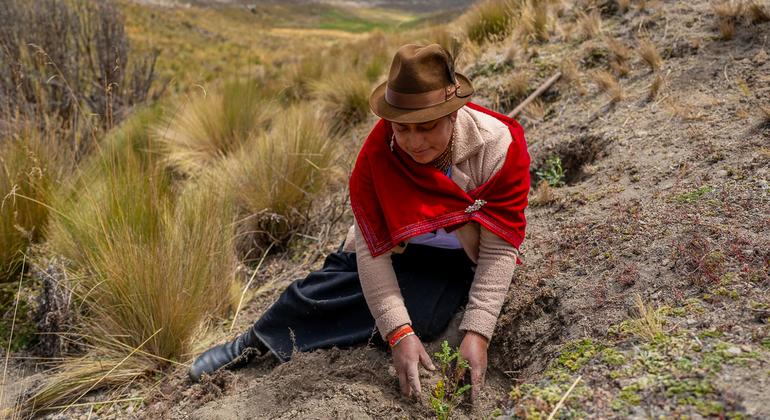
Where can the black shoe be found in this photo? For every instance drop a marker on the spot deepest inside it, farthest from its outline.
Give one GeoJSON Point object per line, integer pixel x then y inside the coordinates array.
{"type": "Point", "coordinates": [235, 354]}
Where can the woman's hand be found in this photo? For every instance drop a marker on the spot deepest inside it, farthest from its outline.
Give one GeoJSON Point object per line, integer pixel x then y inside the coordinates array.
{"type": "Point", "coordinates": [474, 350]}
{"type": "Point", "coordinates": [407, 354]}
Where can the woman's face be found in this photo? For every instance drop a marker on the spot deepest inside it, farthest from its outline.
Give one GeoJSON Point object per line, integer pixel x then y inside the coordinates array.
{"type": "Point", "coordinates": [424, 142]}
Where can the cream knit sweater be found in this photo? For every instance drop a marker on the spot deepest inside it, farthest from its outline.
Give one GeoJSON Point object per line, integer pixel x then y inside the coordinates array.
{"type": "Point", "coordinates": [480, 146]}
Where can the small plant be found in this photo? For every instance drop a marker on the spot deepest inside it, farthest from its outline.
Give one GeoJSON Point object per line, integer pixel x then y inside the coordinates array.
{"type": "Point", "coordinates": [518, 85]}
{"type": "Point", "coordinates": [756, 13]}
{"type": "Point", "coordinates": [620, 56]}
{"type": "Point", "coordinates": [552, 172]}
{"type": "Point", "coordinates": [446, 395]}
{"type": "Point", "coordinates": [728, 12]}
{"type": "Point", "coordinates": [534, 20]}
{"type": "Point", "coordinates": [570, 75]}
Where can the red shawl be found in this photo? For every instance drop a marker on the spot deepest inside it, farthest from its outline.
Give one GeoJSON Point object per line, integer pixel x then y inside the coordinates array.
{"type": "Point", "coordinates": [395, 198]}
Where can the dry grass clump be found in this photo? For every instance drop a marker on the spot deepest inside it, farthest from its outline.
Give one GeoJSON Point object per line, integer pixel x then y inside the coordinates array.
{"type": "Point", "coordinates": [489, 20]}
{"type": "Point", "coordinates": [623, 5]}
{"type": "Point", "coordinates": [655, 86]}
{"type": "Point", "coordinates": [213, 125]}
{"type": "Point", "coordinates": [765, 113]}
{"type": "Point", "coordinates": [756, 13]}
{"type": "Point", "coordinates": [609, 84]}
{"type": "Point", "coordinates": [344, 98]}
{"type": "Point", "coordinates": [535, 110]}
{"type": "Point", "coordinates": [570, 75]}
{"type": "Point", "coordinates": [728, 13]}
{"type": "Point", "coordinates": [517, 86]}
{"type": "Point", "coordinates": [543, 195]}
{"type": "Point", "coordinates": [534, 20]}
{"type": "Point", "coordinates": [148, 269]}
{"type": "Point", "coordinates": [589, 24]}
{"type": "Point", "coordinates": [276, 176]}
{"type": "Point", "coordinates": [649, 54]}
{"type": "Point", "coordinates": [620, 56]}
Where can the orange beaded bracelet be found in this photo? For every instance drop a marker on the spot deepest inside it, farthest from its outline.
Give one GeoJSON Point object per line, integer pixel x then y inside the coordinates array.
{"type": "Point", "coordinates": [400, 334]}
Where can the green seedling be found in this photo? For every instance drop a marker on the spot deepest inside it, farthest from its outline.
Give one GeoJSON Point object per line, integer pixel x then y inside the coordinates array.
{"type": "Point", "coordinates": [448, 391]}
{"type": "Point", "coordinates": [552, 172]}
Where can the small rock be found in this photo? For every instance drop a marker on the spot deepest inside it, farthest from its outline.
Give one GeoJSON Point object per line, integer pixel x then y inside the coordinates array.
{"type": "Point", "coordinates": [734, 351]}
{"type": "Point", "coordinates": [721, 173]}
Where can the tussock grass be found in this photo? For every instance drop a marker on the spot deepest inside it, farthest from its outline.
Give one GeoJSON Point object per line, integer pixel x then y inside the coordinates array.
{"type": "Point", "coordinates": [623, 5]}
{"type": "Point", "coordinates": [589, 24]}
{"type": "Point", "coordinates": [536, 109]}
{"type": "Point", "coordinates": [213, 125]}
{"type": "Point", "coordinates": [534, 20]}
{"type": "Point", "coordinates": [649, 53]}
{"type": "Point", "coordinates": [149, 268]}
{"type": "Point", "coordinates": [609, 84]}
{"type": "Point", "coordinates": [344, 98]}
{"type": "Point", "coordinates": [489, 20]}
{"type": "Point", "coordinates": [274, 178]}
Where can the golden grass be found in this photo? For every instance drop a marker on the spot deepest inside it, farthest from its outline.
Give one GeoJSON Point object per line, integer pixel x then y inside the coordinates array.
{"type": "Point", "coordinates": [534, 20]}
{"type": "Point", "coordinates": [212, 125]}
{"type": "Point", "coordinates": [489, 20]}
{"type": "Point", "coordinates": [275, 177]}
{"type": "Point", "coordinates": [649, 53]}
{"type": "Point", "coordinates": [589, 24]}
{"type": "Point", "coordinates": [727, 12]}
{"type": "Point", "coordinates": [623, 5]}
{"type": "Point", "coordinates": [536, 109]}
{"type": "Point", "coordinates": [149, 268]}
{"type": "Point", "coordinates": [609, 84]}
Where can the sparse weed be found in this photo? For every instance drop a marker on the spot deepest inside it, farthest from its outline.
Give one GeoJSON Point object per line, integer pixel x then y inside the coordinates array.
{"type": "Point", "coordinates": [620, 56]}
{"type": "Point", "coordinates": [609, 84]}
{"type": "Point", "coordinates": [535, 110]}
{"type": "Point", "coordinates": [728, 13]}
{"type": "Point", "coordinates": [648, 323]}
{"type": "Point", "coordinates": [570, 75]}
{"type": "Point", "coordinates": [552, 172]}
{"type": "Point", "coordinates": [517, 85]}
{"type": "Point", "coordinates": [448, 391]}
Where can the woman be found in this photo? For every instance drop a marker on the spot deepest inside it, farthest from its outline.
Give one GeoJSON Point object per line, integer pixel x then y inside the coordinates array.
{"type": "Point", "coordinates": [438, 194]}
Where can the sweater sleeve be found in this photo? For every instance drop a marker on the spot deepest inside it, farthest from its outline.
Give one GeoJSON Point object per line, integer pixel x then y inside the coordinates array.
{"type": "Point", "coordinates": [494, 272]}
{"type": "Point", "coordinates": [380, 287]}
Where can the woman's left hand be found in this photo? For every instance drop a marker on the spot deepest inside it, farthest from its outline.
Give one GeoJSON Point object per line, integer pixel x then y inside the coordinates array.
{"type": "Point", "coordinates": [474, 350]}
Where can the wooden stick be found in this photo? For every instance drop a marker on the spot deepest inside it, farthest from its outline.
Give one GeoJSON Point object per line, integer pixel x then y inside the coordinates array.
{"type": "Point", "coordinates": [539, 91]}
{"type": "Point", "coordinates": [563, 397]}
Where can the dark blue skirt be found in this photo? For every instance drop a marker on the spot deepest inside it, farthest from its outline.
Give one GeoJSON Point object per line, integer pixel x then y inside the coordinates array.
{"type": "Point", "coordinates": [327, 308]}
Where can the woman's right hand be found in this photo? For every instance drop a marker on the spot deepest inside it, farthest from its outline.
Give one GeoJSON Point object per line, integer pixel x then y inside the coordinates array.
{"type": "Point", "coordinates": [407, 355]}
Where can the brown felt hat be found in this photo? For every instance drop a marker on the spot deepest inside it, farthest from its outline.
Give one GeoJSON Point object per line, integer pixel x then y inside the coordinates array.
{"type": "Point", "coordinates": [422, 86]}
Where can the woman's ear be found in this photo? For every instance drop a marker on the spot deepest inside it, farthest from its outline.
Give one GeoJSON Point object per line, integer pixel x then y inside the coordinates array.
{"type": "Point", "coordinates": [453, 117]}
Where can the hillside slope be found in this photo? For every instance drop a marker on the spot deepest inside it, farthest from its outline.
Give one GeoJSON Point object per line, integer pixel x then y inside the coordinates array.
{"type": "Point", "coordinates": [664, 218]}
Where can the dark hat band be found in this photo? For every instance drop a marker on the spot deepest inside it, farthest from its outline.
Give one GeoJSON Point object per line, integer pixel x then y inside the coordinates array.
{"type": "Point", "coordinates": [422, 99]}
